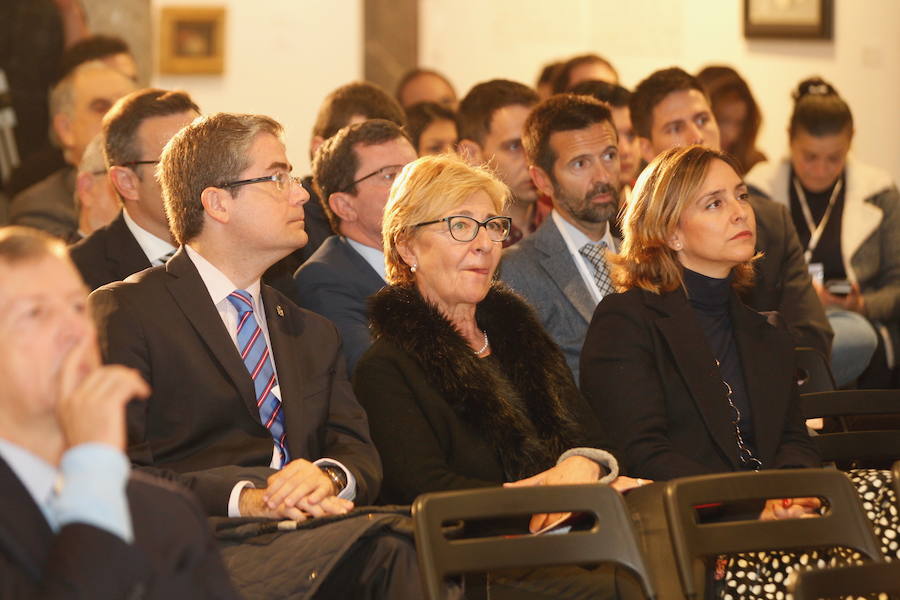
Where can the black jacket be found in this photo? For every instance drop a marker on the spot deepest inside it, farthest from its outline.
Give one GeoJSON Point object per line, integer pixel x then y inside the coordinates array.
{"type": "Point", "coordinates": [647, 370]}
{"type": "Point", "coordinates": [443, 419]}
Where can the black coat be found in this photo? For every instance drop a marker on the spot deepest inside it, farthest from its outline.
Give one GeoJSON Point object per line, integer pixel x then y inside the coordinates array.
{"type": "Point", "coordinates": [109, 254]}
{"type": "Point", "coordinates": [443, 419]}
{"type": "Point", "coordinates": [649, 373]}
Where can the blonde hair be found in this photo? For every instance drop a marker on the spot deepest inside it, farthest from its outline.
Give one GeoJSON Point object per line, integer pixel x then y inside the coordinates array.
{"type": "Point", "coordinates": [425, 190]}
{"type": "Point", "coordinates": [660, 196]}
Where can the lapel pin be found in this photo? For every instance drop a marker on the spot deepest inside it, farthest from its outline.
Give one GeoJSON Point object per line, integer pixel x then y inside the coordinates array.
{"type": "Point", "coordinates": [279, 310]}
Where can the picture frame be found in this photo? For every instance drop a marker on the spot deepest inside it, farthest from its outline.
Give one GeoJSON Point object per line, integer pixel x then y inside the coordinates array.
{"type": "Point", "coordinates": [192, 40]}
{"type": "Point", "coordinates": [789, 19]}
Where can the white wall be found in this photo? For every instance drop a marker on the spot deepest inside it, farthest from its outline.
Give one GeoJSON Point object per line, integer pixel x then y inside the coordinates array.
{"type": "Point", "coordinates": [475, 40]}
{"type": "Point", "coordinates": [282, 57]}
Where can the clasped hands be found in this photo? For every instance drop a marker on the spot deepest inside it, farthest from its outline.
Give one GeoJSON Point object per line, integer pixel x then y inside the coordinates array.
{"type": "Point", "coordinates": [298, 491]}
{"type": "Point", "coordinates": [790, 508]}
{"type": "Point", "coordinates": [573, 470]}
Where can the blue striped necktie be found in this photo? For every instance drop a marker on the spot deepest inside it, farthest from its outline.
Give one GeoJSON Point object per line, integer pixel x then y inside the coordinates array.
{"type": "Point", "coordinates": [255, 354]}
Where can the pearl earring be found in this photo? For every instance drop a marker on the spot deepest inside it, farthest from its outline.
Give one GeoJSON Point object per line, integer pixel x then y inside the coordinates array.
{"type": "Point", "coordinates": [677, 246]}
{"type": "Point", "coordinates": [414, 267]}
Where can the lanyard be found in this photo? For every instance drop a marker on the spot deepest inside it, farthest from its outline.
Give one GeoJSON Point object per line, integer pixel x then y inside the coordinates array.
{"type": "Point", "coordinates": [815, 232]}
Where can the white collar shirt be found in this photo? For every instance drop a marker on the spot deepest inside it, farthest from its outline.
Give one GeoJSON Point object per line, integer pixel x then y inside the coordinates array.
{"type": "Point", "coordinates": [154, 248]}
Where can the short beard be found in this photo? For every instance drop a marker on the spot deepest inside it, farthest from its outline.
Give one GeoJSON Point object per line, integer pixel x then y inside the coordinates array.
{"type": "Point", "coordinates": [584, 210]}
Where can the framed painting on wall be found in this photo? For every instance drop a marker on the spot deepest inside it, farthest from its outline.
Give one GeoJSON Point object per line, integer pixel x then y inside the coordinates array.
{"type": "Point", "coordinates": [192, 40]}
{"type": "Point", "coordinates": [788, 19]}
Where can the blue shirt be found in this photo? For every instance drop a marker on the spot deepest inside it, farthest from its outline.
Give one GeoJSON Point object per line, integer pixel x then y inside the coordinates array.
{"type": "Point", "coordinates": [88, 487]}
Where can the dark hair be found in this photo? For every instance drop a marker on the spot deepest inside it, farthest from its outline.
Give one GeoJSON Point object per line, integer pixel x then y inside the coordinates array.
{"type": "Point", "coordinates": [548, 73]}
{"type": "Point", "coordinates": [653, 90]}
{"type": "Point", "coordinates": [819, 110]}
{"type": "Point", "coordinates": [477, 109]}
{"type": "Point", "coordinates": [419, 116]}
{"type": "Point", "coordinates": [561, 112]}
{"type": "Point", "coordinates": [359, 98]}
{"type": "Point", "coordinates": [335, 164]}
{"type": "Point", "coordinates": [412, 74]}
{"type": "Point", "coordinates": [121, 123]}
{"type": "Point", "coordinates": [94, 47]}
{"type": "Point", "coordinates": [723, 84]}
{"type": "Point", "coordinates": [613, 94]}
{"type": "Point", "coordinates": [564, 72]}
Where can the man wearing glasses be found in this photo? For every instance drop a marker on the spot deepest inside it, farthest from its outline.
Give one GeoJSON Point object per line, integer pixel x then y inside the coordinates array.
{"type": "Point", "coordinates": [561, 269]}
{"type": "Point", "coordinates": [250, 405]}
{"type": "Point", "coordinates": [353, 172]}
{"type": "Point", "coordinates": [135, 131]}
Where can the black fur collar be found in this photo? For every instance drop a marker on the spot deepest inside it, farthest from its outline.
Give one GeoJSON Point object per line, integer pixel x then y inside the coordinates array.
{"type": "Point", "coordinates": [520, 400]}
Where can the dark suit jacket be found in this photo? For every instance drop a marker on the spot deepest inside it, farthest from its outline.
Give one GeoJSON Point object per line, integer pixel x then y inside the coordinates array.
{"type": "Point", "coordinates": [782, 279]}
{"type": "Point", "coordinates": [336, 282]}
{"type": "Point", "coordinates": [109, 254]}
{"type": "Point", "coordinates": [649, 373]}
{"type": "Point", "coordinates": [281, 275]}
{"type": "Point", "coordinates": [201, 421]}
{"type": "Point", "coordinates": [173, 555]}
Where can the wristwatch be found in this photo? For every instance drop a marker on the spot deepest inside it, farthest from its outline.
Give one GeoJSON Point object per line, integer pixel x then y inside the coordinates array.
{"type": "Point", "coordinates": [337, 476]}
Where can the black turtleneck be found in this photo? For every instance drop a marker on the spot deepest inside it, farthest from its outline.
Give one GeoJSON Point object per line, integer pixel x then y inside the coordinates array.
{"type": "Point", "coordinates": [711, 300]}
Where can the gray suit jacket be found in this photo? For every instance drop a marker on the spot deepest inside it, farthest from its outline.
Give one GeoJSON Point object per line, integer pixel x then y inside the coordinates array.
{"type": "Point", "coordinates": [541, 269]}
{"type": "Point", "coordinates": [48, 205]}
{"type": "Point", "coordinates": [335, 282]}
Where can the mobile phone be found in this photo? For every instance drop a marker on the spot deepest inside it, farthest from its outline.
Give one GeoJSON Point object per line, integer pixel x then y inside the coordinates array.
{"type": "Point", "coordinates": [838, 287]}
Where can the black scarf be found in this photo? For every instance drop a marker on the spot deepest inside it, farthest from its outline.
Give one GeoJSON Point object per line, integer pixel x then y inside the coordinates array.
{"type": "Point", "coordinates": [523, 408]}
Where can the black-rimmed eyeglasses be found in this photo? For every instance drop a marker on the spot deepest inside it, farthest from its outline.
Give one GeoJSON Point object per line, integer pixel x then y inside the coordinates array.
{"type": "Point", "coordinates": [135, 163]}
{"type": "Point", "coordinates": [465, 229]}
{"type": "Point", "coordinates": [384, 175]}
{"type": "Point", "coordinates": [282, 181]}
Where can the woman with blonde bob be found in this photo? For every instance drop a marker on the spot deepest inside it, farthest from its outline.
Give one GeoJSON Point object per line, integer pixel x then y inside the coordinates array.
{"type": "Point", "coordinates": [462, 386]}
{"type": "Point", "coordinates": [686, 377]}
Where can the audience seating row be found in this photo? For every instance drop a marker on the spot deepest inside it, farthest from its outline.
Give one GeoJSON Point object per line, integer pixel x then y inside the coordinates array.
{"type": "Point", "coordinates": [669, 562]}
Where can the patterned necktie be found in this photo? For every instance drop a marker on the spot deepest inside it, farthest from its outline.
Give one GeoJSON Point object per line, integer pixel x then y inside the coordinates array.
{"type": "Point", "coordinates": [165, 257]}
{"type": "Point", "coordinates": [255, 354]}
{"type": "Point", "coordinates": [596, 253]}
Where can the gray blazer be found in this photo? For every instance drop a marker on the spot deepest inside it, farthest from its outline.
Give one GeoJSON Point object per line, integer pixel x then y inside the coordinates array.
{"type": "Point", "coordinates": [541, 269]}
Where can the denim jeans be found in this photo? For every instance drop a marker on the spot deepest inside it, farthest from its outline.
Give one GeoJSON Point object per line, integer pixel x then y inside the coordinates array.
{"type": "Point", "coordinates": [854, 343]}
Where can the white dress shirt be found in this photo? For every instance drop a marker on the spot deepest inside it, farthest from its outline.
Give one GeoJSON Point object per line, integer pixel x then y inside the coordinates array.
{"type": "Point", "coordinates": [154, 248]}
{"type": "Point", "coordinates": [220, 287]}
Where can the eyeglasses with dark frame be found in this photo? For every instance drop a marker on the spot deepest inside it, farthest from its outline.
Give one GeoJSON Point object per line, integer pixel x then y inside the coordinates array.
{"type": "Point", "coordinates": [281, 180]}
{"type": "Point", "coordinates": [465, 229]}
{"type": "Point", "coordinates": [135, 163]}
{"type": "Point", "coordinates": [386, 175]}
